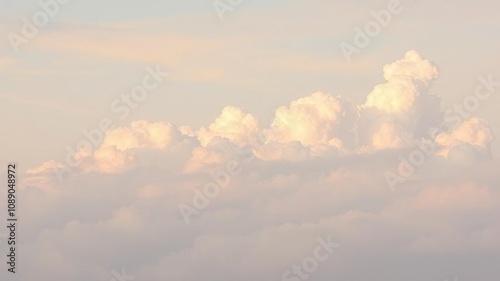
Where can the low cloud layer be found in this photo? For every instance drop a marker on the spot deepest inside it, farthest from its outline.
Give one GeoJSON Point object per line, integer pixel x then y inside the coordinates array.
{"type": "Point", "coordinates": [316, 170]}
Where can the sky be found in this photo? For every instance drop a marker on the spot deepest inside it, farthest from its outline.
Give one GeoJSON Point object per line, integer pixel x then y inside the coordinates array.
{"type": "Point", "coordinates": [247, 140]}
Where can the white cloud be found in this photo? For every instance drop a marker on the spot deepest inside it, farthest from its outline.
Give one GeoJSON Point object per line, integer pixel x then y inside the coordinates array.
{"type": "Point", "coordinates": [312, 120]}
{"type": "Point", "coordinates": [319, 170]}
{"type": "Point", "coordinates": [474, 131]}
{"type": "Point", "coordinates": [408, 80]}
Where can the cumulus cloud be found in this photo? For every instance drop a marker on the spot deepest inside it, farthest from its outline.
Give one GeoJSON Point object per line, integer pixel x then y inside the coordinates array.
{"type": "Point", "coordinates": [403, 106]}
{"type": "Point", "coordinates": [407, 80]}
{"type": "Point", "coordinates": [309, 126]}
{"type": "Point", "coordinates": [389, 136]}
{"type": "Point", "coordinates": [317, 171]}
{"type": "Point", "coordinates": [142, 134]}
{"type": "Point", "coordinates": [311, 120]}
{"type": "Point", "coordinates": [231, 130]}
{"type": "Point", "coordinates": [219, 152]}
{"type": "Point", "coordinates": [233, 124]}
{"type": "Point", "coordinates": [116, 153]}
{"type": "Point", "coordinates": [475, 132]}
{"type": "Point", "coordinates": [42, 176]}
{"type": "Point", "coordinates": [394, 115]}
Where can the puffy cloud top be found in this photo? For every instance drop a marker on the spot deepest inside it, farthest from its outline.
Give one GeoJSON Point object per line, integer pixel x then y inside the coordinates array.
{"type": "Point", "coordinates": [141, 134]}
{"type": "Point", "coordinates": [411, 66]}
{"type": "Point", "coordinates": [310, 120]}
{"type": "Point", "coordinates": [232, 124]}
{"type": "Point", "coordinates": [474, 131]}
{"type": "Point", "coordinates": [407, 79]}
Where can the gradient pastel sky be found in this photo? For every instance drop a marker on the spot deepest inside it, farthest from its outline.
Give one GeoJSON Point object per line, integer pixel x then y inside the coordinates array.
{"type": "Point", "coordinates": [333, 129]}
{"type": "Point", "coordinates": [261, 57]}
